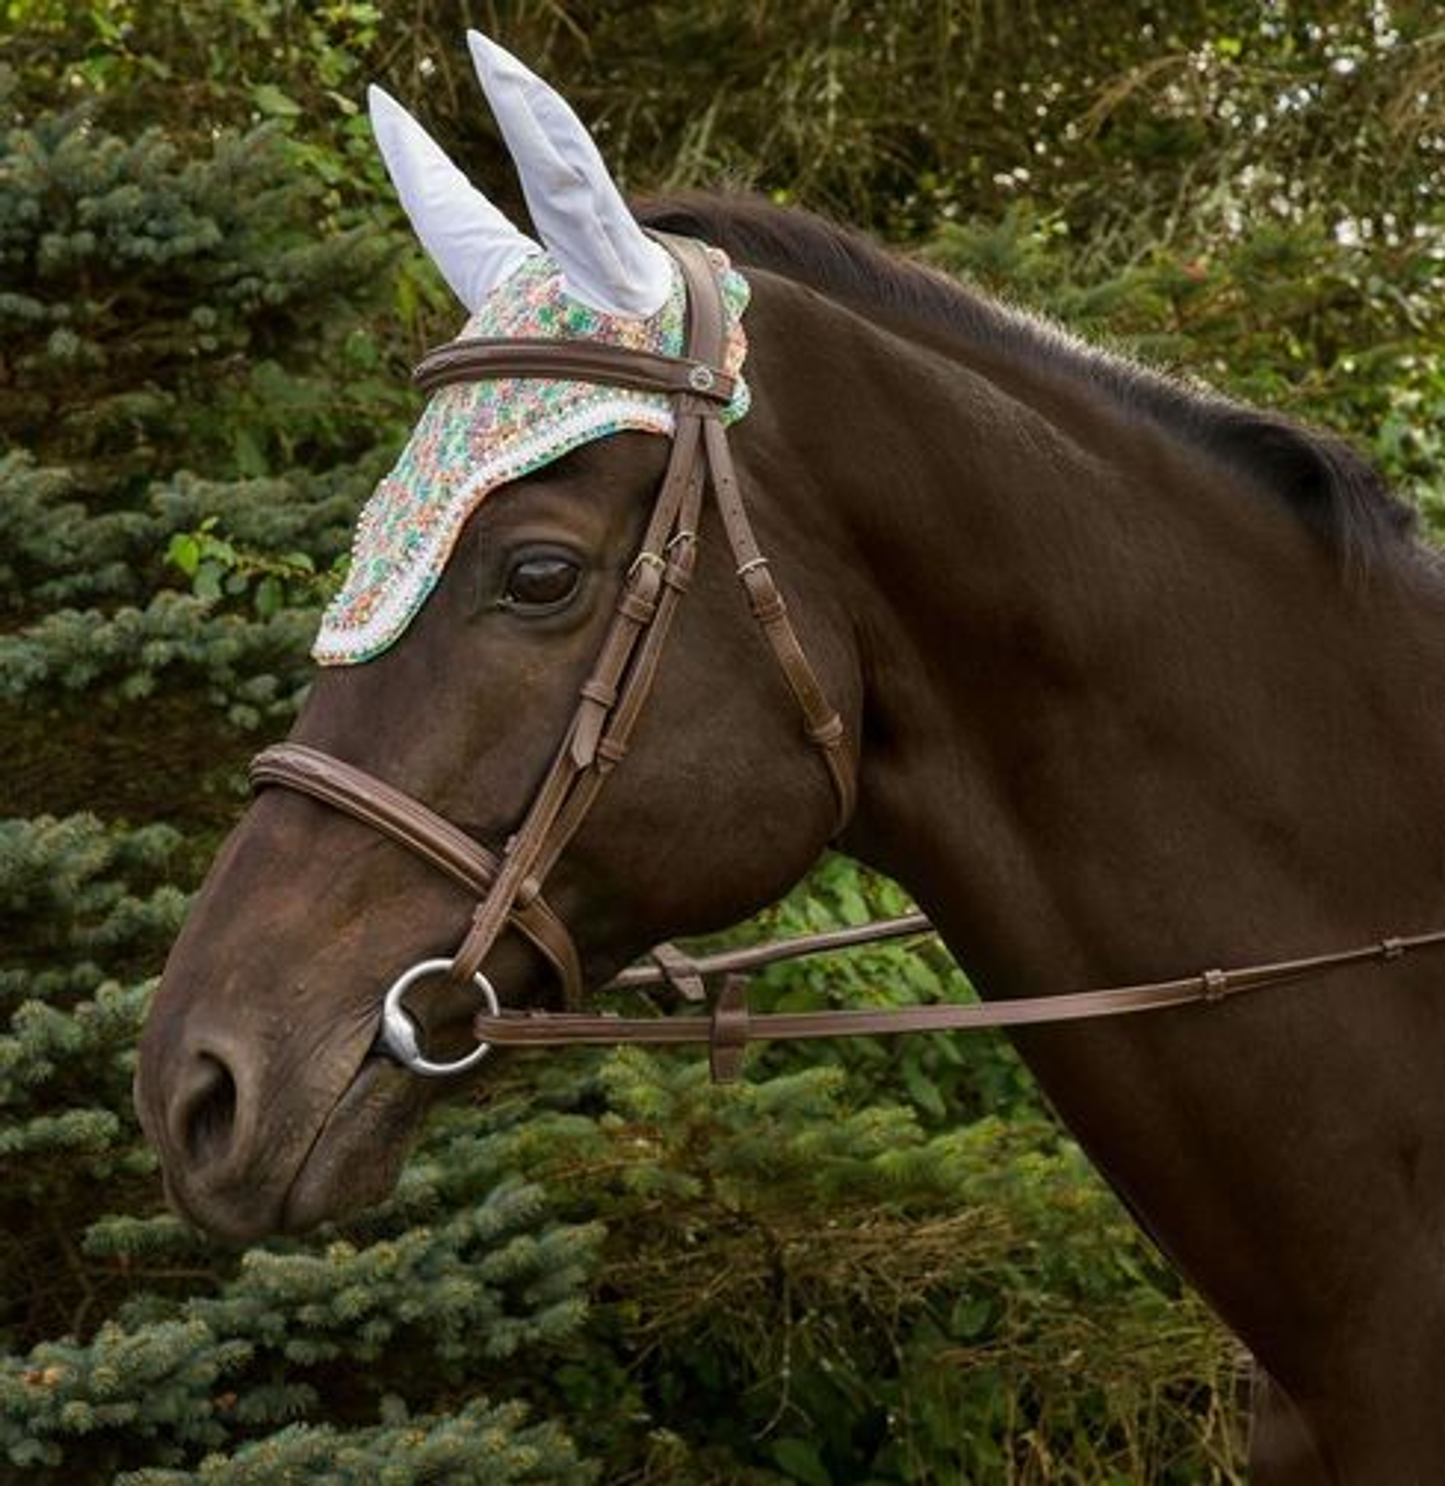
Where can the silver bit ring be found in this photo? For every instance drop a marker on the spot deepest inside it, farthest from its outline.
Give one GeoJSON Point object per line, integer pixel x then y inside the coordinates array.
{"type": "Point", "coordinates": [399, 1030]}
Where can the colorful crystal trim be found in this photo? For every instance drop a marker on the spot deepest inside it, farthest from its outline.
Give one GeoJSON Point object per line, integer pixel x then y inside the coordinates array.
{"type": "Point", "coordinates": [476, 436]}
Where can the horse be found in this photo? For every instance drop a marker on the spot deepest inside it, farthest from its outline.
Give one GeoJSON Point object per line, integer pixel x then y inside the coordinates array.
{"type": "Point", "coordinates": [1130, 677]}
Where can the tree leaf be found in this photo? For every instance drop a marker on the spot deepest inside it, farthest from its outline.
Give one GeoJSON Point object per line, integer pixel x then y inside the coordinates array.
{"type": "Point", "coordinates": [183, 551]}
{"type": "Point", "coordinates": [800, 1460]}
{"type": "Point", "coordinates": [271, 101]}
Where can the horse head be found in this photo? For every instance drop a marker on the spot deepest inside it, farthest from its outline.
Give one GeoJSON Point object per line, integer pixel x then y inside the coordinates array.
{"type": "Point", "coordinates": [487, 663]}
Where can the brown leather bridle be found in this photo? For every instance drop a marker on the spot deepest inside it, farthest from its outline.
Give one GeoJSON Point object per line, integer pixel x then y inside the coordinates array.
{"type": "Point", "coordinates": [509, 886]}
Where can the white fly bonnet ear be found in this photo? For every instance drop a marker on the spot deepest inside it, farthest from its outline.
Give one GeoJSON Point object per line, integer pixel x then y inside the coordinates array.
{"type": "Point", "coordinates": [599, 278]}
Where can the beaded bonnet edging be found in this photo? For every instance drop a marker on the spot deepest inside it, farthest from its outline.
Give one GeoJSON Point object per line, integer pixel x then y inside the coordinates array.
{"type": "Point", "coordinates": [476, 436]}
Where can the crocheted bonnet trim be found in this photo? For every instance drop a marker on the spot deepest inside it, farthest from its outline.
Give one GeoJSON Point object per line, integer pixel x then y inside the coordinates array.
{"type": "Point", "coordinates": [476, 436]}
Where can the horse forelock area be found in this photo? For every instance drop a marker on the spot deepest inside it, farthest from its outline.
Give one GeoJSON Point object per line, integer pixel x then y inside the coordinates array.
{"type": "Point", "coordinates": [1332, 489]}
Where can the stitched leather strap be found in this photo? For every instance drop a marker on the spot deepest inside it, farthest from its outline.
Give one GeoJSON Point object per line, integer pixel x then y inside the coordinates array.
{"type": "Point", "coordinates": [823, 726]}
{"type": "Point", "coordinates": [615, 693]}
{"type": "Point", "coordinates": [478, 358]}
{"type": "Point", "coordinates": [731, 1028]}
{"type": "Point", "coordinates": [672, 963]}
{"type": "Point", "coordinates": [432, 837]}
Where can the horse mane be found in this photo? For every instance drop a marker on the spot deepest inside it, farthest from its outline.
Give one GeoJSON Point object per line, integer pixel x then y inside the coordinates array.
{"type": "Point", "coordinates": [1334, 490]}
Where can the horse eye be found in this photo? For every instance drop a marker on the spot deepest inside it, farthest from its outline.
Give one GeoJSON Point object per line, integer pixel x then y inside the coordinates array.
{"type": "Point", "coordinates": [541, 582]}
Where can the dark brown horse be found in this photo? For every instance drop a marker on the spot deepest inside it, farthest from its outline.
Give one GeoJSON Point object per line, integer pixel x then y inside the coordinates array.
{"type": "Point", "coordinates": [1139, 680]}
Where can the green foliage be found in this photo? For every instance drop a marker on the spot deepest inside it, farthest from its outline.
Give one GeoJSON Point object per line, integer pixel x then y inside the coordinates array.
{"type": "Point", "coordinates": [253, 669]}
{"type": "Point", "coordinates": [59, 545]}
{"type": "Point", "coordinates": [217, 567]}
{"type": "Point", "coordinates": [478, 1445]}
{"type": "Point", "coordinates": [1286, 314]}
{"type": "Point", "coordinates": [164, 310]}
{"type": "Point", "coordinates": [855, 1286]}
{"type": "Point", "coordinates": [90, 906]}
{"type": "Point", "coordinates": [417, 1313]}
{"type": "Point", "coordinates": [75, 887]}
{"type": "Point", "coordinates": [117, 1382]}
{"type": "Point", "coordinates": [189, 297]}
{"type": "Point", "coordinates": [1169, 123]}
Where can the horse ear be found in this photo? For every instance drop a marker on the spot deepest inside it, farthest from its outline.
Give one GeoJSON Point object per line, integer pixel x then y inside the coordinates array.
{"type": "Point", "coordinates": [469, 240]}
{"type": "Point", "coordinates": [605, 257]}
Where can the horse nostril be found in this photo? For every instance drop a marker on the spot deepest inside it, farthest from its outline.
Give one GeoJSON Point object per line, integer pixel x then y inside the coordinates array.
{"type": "Point", "coordinates": [209, 1112]}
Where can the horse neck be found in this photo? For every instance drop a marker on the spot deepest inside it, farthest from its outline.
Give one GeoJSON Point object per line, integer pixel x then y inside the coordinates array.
{"type": "Point", "coordinates": [1123, 720]}
{"type": "Point", "coordinates": [1123, 712]}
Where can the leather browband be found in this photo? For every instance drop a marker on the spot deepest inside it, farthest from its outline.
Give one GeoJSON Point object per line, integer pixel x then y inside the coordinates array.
{"type": "Point", "coordinates": [473, 360]}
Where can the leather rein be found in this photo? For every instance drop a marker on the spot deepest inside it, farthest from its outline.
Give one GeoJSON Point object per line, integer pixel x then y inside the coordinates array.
{"type": "Point", "coordinates": [508, 886]}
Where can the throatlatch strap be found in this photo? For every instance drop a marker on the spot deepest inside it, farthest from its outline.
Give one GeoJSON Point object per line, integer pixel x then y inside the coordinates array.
{"type": "Point", "coordinates": [824, 727]}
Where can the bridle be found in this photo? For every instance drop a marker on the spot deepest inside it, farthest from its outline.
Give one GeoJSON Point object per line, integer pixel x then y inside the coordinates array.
{"type": "Point", "coordinates": [509, 885]}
